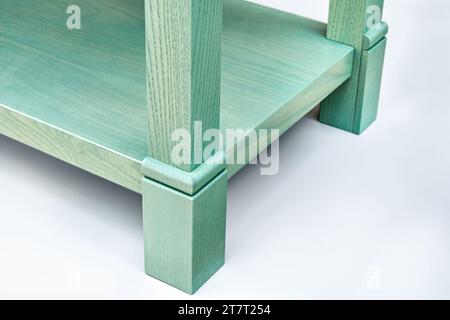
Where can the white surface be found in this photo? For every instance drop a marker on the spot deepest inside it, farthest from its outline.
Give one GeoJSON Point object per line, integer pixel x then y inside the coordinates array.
{"type": "Point", "coordinates": [347, 216]}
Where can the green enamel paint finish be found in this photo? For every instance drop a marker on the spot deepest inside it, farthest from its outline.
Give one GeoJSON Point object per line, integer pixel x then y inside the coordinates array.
{"type": "Point", "coordinates": [183, 72]}
{"type": "Point", "coordinates": [89, 84]}
{"type": "Point", "coordinates": [187, 182]}
{"type": "Point", "coordinates": [184, 235]}
{"type": "Point", "coordinates": [370, 84]}
{"type": "Point", "coordinates": [348, 24]}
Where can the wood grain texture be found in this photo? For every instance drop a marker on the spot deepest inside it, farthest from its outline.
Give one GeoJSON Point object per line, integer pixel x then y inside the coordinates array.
{"type": "Point", "coordinates": [90, 83]}
{"type": "Point", "coordinates": [347, 24]}
{"type": "Point", "coordinates": [276, 68]}
{"type": "Point", "coordinates": [76, 94]}
{"type": "Point", "coordinates": [87, 155]}
{"type": "Point", "coordinates": [183, 72]}
{"type": "Point", "coordinates": [184, 235]}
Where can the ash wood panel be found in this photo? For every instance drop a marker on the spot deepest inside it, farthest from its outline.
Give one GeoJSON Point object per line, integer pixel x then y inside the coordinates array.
{"type": "Point", "coordinates": [276, 68]}
{"type": "Point", "coordinates": [104, 162]}
{"type": "Point", "coordinates": [90, 83]}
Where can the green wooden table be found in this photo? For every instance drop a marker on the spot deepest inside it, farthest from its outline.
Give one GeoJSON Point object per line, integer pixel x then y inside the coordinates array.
{"type": "Point", "coordinates": [105, 84]}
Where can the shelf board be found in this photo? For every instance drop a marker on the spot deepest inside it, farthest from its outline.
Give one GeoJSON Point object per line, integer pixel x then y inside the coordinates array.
{"type": "Point", "coordinates": [80, 95]}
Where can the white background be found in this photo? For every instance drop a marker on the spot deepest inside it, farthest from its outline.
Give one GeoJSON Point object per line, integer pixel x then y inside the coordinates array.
{"type": "Point", "coordinates": [347, 216]}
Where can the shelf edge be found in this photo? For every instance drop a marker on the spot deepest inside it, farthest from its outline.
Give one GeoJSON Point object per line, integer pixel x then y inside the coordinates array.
{"type": "Point", "coordinates": [72, 149]}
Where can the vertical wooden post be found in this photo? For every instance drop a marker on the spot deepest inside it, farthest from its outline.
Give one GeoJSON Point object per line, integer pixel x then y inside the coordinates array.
{"type": "Point", "coordinates": [184, 203]}
{"type": "Point", "coordinates": [183, 69]}
{"type": "Point", "coordinates": [353, 106]}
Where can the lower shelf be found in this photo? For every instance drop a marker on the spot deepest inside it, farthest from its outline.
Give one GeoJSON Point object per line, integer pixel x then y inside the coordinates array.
{"type": "Point", "coordinates": [80, 95]}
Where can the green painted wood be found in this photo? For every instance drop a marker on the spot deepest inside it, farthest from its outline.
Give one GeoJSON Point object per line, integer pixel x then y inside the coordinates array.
{"type": "Point", "coordinates": [276, 68]}
{"type": "Point", "coordinates": [375, 35]}
{"type": "Point", "coordinates": [183, 72]}
{"type": "Point", "coordinates": [370, 84]}
{"type": "Point", "coordinates": [89, 85]}
{"type": "Point", "coordinates": [76, 94]}
{"type": "Point", "coordinates": [184, 232]}
{"type": "Point", "coordinates": [348, 23]}
{"type": "Point", "coordinates": [78, 151]}
{"type": "Point", "coordinates": [184, 235]}
{"type": "Point", "coordinates": [187, 182]}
